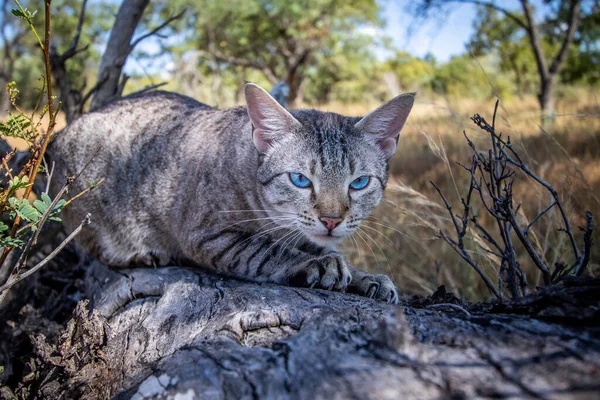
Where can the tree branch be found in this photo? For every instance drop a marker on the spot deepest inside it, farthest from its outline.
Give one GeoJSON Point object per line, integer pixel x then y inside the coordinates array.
{"type": "Point", "coordinates": [157, 29]}
{"type": "Point", "coordinates": [534, 39]}
{"type": "Point", "coordinates": [45, 261]}
{"type": "Point", "coordinates": [574, 18]}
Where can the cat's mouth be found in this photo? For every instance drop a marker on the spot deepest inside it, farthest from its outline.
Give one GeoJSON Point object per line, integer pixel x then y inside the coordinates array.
{"type": "Point", "coordinates": [325, 239]}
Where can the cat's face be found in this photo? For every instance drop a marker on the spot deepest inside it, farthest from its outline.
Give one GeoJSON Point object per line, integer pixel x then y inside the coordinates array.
{"type": "Point", "coordinates": [323, 173]}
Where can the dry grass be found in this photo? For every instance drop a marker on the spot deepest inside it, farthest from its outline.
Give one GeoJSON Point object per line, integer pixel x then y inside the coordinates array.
{"type": "Point", "coordinates": [400, 239]}
{"type": "Point", "coordinates": [567, 155]}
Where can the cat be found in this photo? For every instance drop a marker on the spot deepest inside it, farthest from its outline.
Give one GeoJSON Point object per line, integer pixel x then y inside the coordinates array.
{"type": "Point", "coordinates": [257, 192]}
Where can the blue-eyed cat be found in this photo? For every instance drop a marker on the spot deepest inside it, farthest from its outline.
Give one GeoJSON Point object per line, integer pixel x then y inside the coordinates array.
{"type": "Point", "coordinates": [258, 192]}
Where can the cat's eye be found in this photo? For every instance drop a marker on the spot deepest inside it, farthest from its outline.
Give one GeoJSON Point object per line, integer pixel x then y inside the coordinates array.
{"type": "Point", "coordinates": [299, 180]}
{"type": "Point", "coordinates": [360, 183]}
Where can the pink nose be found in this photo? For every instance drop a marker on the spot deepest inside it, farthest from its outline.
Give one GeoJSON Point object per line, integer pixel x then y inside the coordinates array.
{"type": "Point", "coordinates": [331, 223]}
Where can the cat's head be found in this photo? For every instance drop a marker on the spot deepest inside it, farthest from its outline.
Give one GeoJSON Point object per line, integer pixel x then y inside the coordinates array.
{"type": "Point", "coordinates": [323, 173]}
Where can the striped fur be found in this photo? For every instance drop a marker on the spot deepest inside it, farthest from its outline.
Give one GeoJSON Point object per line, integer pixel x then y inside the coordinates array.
{"type": "Point", "coordinates": [185, 183]}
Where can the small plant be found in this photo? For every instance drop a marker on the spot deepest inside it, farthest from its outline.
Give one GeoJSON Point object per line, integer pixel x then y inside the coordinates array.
{"type": "Point", "coordinates": [22, 221]}
{"type": "Point", "coordinates": [492, 178]}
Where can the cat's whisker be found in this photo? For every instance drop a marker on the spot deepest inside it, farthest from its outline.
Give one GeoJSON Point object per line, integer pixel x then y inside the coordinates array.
{"type": "Point", "coordinates": [403, 234]}
{"type": "Point", "coordinates": [287, 242]}
{"type": "Point", "coordinates": [270, 211]}
{"type": "Point", "coordinates": [369, 246]}
{"type": "Point", "coordinates": [379, 247]}
{"type": "Point", "coordinates": [365, 225]}
{"type": "Point", "coordinates": [258, 235]}
{"type": "Point", "coordinates": [258, 219]}
{"type": "Point", "coordinates": [357, 246]}
{"type": "Point", "coordinates": [278, 240]}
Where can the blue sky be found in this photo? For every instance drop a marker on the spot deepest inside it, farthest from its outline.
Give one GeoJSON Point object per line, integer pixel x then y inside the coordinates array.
{"type": "Point", "coordinates": [443, 36]}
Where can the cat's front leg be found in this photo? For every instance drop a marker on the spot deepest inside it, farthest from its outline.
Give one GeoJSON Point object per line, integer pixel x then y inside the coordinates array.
{"type": "Point", "coordinates": [378, 287]}
{"type": "Point", "coordinates": [329, 271]}
{"type": "Point", "coordinates": [263, 259]}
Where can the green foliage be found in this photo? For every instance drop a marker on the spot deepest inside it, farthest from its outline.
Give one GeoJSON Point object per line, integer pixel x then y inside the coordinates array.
{"type": "Point", "coordinates": [281, 39]}
{"type": "Point", "coordinates": [411, 73]}
{"type": "Point", "coordinates": [24, 14]}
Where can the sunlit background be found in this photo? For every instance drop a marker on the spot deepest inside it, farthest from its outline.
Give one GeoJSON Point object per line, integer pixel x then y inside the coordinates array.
{"type": "Point", "coordinates": [348, 57]}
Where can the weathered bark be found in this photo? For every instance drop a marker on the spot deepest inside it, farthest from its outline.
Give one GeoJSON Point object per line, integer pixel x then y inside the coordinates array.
{"type": "Point", "coordinates": [162, 332]}
{"type": "Point", "coordinates": [117, 50]}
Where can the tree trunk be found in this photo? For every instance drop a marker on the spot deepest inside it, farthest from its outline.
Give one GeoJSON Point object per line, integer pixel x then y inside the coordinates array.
{"type": "Point", "coordinates": [546, 100]}
{"type": "Point", "coordinates": [160, 333]}
{"type": "Point", "coordinates": [71, 102]}
{"type": "Point", "coordinates": [4, 99]}
{"type": "Point", "coordinates": [117, 49]}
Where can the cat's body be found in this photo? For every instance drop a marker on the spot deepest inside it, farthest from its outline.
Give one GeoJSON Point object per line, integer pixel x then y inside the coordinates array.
{"type": "Point", "coordinates": [186, 182]}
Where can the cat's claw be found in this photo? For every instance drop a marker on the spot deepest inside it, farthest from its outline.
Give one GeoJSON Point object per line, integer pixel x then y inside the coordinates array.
{"type": "Point", "coordinates": [329, 272]}
{"type": "Point", "coordinates": [378, 287]}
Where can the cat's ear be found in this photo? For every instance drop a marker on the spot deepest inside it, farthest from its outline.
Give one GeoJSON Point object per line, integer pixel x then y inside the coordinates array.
{"type": "Point", "coordinates": [269, 119]}
{"type": "Point", "coordinates": [385, 123]}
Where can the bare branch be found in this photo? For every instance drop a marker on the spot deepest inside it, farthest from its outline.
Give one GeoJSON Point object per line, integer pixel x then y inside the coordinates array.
{"type": "Point", "coordinates": [72, 50]}
{"type": "Point", "coordinates": [45, 261]}
{"type": "Point", "coordinates": [574, 19]}
{"type": "Point", "coordinates": [148, 88]}
{"type": "Point", "coordinates": [449, 305]}
{"type": "Point", "coordinates": [468, 259]}
{"type": "Point", "coordinates": [157, 29]}
{"type": "Point", "coordinates": [534, 39]}
{"type": "Point", "coordinates": [537, 217]}
{"type": "Point", "coordinates": [587, 244]}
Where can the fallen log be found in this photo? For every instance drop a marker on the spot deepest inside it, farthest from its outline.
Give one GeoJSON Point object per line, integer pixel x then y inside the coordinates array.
{"type": "Point", "coordinates": [183, 333]}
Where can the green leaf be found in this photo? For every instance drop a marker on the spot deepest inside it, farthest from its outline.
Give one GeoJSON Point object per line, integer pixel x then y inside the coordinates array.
{"type": "Point", "coordinates": [40, 206]}
{"type": "Point", "coordinates": [27, 212]}
{"type": "Point", "coordinates": [17, 13]}
{"type": "Point", "coordinates": [11, 242]}
{"type": "Point", "coordinates": [46, 199]}
{"type": "Point", "coordinates": [3, 227]}
{"type": "Point", "coordinates": [57, 219]}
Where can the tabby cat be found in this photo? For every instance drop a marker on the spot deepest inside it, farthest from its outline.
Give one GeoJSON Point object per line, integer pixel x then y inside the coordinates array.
{"type": "Point", "coordinates": [257, 192]}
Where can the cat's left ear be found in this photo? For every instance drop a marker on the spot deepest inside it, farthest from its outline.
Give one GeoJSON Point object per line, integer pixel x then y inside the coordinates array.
{"type": "Point", "coordinates": [269, 119]}
{"type": "Point", "coordinates": [385, 123]}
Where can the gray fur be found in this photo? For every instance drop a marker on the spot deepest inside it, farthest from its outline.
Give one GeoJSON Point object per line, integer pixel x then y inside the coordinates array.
{"type": "Point", "coordinates": [185, 183]}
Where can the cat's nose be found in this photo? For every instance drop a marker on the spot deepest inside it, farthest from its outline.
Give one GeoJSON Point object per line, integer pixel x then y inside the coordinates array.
{"type": "Point", "coordinates": [331, 223]}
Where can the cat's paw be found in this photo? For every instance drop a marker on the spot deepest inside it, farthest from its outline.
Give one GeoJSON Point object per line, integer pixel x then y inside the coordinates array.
{"type": "Point", "coordinates": [329, 272]}
{"type": "Point", "coordinates": [378, 287]}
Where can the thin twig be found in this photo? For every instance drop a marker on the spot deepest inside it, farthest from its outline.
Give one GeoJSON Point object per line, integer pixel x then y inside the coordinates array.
{"type": "Point", "coordinates": [32, 242]}
{"type": "Point", "coordinates": [468, 259]}
{"type": "Point", "coordinates": [449, 305]}
{"type": "Point", "coordinates": [537, 217]}
{"type": "Point", "coordinates": [148, 88]}
{"type": "Point", "coordinates": [14, 281]}
{"type": "Point", "coordinates": [157, 29]}
{"type": "Point", "coordinates": [587, 244]}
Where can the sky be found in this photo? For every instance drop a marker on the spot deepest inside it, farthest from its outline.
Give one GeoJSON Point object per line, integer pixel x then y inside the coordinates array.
{"type": "Point", "coordinates": [443, 36]}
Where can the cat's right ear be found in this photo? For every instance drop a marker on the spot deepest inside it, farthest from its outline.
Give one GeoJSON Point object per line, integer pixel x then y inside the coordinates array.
{"type": "Point", "coordinates": [269, 119]}
{"type": "Point", "coordinates": [384, 124]}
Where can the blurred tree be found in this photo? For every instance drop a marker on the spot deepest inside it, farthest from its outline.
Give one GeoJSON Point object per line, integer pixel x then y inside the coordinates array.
{"type": "Point", "coordinates": [561, 20]}
{"type": "Point", "coordinates": [15, 43]}
{"type": "Point", "coordinates": [411, 72]}
{"type": "Point", "coordinates": [279, 38]}
{"type": "Point", "coordinates": [497, 34]}
{"type": "Point", "coordinates": [347, 71]}
{"type": "Point", "coordinates": [21, 61]}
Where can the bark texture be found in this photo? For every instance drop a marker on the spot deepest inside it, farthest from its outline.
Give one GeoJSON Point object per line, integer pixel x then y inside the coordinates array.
{"type": "Point", "coordinates": [182, 333]}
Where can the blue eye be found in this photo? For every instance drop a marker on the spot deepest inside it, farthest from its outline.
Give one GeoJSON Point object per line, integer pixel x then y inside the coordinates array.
{"type": "Point", "coordinates": [299, 180]}
{"type": "Point", "coordinates": [360, 183]}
